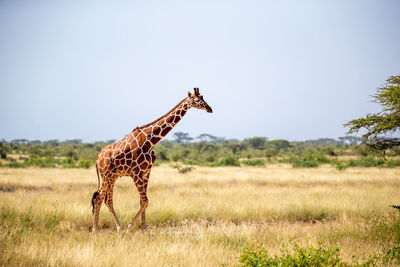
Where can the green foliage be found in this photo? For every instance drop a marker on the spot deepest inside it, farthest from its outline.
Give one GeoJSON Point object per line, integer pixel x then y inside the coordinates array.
{"type": "Point", "coordinates": [308, 256]}
{"type": "Point", "coordinates": [366, 162]}
{"type": "Point", "coordinates": [392, 254]}
{"type": "Point", "coordinates": [392, 163]}
{"type": "Point", "coordinates": [253, 162]}
{"type": "Point", "coordinates": [215, 152]}
{"type": "Point", "coordinates": [380, 125]}
{"type": "Point", "coordinates": [229, 161]}
{"type": "Point", "coordinates": [311, 160]}
{"type": "Point", "coordinates": [84, 164]}
{"type": "Point", "coordinates": [4, 149]}
{"type": "Point", "coordinates": [41, 162]}
{"type": "Point", "coordinates": [255, 142]}
{"type": "Point", "coordinates": [340, 165]}
{"type": "Point", "coordinates": [23, 223]}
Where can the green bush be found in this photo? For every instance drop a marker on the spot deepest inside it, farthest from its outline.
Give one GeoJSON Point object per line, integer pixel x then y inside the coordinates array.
{"type": "Point", "coordinates": [366, 162]}
{"type": "Point", "coordinates": [83, 163]}
{"type": "Point", "coordinates": [311, 160]}
{"type": "Point", "coordinates": [392, 254]}
{"type": "Point", "coordinates": [340, 165]}
{"type": "Point", "coordinates": [176, 156]}
{"type": "Point", "coordinates": [392, 163]}
{"type": "Point", "coordinates": [15, 165]}
{"type": "Point", "coordinates": [229, 161]}
{"type": "Point", "coordinates": [194, 162]}
{"type": "Point", "coordinates": [41, 162]}
{"type": "Point", "coordinates": [68, 163]}
{"type": "Point", "coordinates": [308, 256]}
{"type": "Point", "coordinates": [253, 162]}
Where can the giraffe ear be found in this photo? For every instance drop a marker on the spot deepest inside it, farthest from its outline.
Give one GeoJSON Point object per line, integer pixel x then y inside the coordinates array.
{"type": "Point", "coordinates": [189, 94]}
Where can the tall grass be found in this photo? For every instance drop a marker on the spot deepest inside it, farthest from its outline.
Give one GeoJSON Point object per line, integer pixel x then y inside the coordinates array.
{"type": "Point", "coordinates": [204, 217]}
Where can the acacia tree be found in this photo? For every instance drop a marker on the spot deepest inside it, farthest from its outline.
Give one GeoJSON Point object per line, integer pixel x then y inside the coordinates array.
{"type": "Point", "coordinates": [382, 128]}
{"type": "Point", "coordinates": [181, 137]}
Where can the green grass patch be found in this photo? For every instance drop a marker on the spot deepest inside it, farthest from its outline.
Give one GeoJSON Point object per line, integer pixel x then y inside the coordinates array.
{"type": "Point", "coordinates": [253, 162]}
{"type": "Point", "coordinates": [298, 256]}
{"type": "Point", "coordinates": [311, 160]}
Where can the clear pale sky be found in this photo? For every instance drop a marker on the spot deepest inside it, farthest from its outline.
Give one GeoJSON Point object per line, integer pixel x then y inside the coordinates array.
{"type": "Point", "coordinates": [94, 70]}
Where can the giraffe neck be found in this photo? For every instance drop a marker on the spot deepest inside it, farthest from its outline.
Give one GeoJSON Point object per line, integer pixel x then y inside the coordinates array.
{"type": "Point", "coordinates": [156, 130]}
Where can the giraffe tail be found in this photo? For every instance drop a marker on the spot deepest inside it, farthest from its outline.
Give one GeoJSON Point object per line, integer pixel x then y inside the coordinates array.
{"type": "Point", "coordinates": [96, 193]}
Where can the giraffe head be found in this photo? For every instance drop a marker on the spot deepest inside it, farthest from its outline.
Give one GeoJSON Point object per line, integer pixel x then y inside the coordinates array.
{"type": "Point", "coordinates": [196, 100]}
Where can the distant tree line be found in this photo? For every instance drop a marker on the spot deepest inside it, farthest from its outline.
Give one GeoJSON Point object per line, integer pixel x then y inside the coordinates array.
{"type": "Point", "coordinates": [203, 150]}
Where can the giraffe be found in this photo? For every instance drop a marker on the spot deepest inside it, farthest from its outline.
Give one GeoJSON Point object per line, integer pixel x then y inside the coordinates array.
{"type": "Point", "coordinates": [134, 156]}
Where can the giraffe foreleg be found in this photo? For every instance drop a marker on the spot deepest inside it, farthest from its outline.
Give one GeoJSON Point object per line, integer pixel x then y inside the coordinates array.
{"type": "Point", "coordinates": [143, 205]}
{"type": "Point", "coordinates": [139, 182]}
{"type": "Point", "coordinates": [145, 180]}
{"type": "Point", "coordinates": [144, 225]}
{"type": "Point", "coordinates": [146, 177]}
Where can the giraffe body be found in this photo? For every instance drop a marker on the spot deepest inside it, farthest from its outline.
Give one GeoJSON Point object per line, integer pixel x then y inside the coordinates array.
{"type": "Point", "coordinates": [134, 156]}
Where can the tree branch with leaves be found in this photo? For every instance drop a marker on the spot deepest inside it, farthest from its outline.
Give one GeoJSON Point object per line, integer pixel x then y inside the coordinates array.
{"type": "Point", "coordinates": [382, 126]}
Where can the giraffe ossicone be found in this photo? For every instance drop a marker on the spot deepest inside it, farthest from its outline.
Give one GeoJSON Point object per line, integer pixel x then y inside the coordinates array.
{"type": "Point", "coordinates": [134, 156]}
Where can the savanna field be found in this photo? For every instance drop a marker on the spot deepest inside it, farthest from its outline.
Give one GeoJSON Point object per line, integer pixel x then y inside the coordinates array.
{"type": "Point", "coordinates": [208, 216]}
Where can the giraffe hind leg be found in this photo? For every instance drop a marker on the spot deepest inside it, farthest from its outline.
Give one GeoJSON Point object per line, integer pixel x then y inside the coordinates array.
{"type": "Point", "coordinates": [95, 194]}
{"type": "Point", "coordinates": [97, 201]}
{"type": "Point", "coordinates": [108, 200]}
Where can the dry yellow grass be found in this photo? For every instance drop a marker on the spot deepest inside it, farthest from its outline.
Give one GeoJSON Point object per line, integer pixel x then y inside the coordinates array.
{"type": "Point", "coordinates": [204, 217]}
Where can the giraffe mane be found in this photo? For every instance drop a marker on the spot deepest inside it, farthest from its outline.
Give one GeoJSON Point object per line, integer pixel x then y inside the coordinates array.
{"type": "Point", "coordinates": [150, 123]}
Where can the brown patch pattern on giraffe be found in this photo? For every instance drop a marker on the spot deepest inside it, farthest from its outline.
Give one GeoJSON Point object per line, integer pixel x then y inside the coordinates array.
{"type": "Point", "coordinates": [134, 156]}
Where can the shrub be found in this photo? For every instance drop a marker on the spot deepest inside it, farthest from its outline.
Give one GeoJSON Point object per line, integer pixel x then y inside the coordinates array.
{"type": "Point", "coordinates": [366, 162]}
{"type": "Point", "coordinates": [254, 162]}
{"type": "Point", "coordinates": [182, 169]}
{"type": "Point", "coordinates": [83, 163]}
{"type": "Point", "coordinates": [185, 169]}
{"type": "Point", "coordinates": [311, 160]}
{"type": "Point", "coordinates": [340, 165]}
{"type": "Point", "coordinates": [176, 157]}
{"type": "Point", "coordinates": [3, 153]}
{"type": "Point", "coordinates": [210, 158]}
{"type": "Point", "coordinates": [162, 154]}
{"type": "Point", "coordinates": [229, 161]}
{"type": "Point", "coordinates": [41, 162]}
{"type": "Point", "coordinates": [15, 165]}
{"type": "Point", "coordinates": [193, 162]}
{"type": "Point", "coordinates": [68, 163]}
{"type": "Point", "coordinates": [392, 254]}
{"type": "Point", "coordinates": [308, 256]}
{"type": "Point", "coordinates": [392, 163]}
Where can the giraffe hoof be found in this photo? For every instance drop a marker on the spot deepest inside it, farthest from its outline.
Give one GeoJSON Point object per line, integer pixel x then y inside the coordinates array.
{"type": "Point", "coordinates": [144, 227]}
{"type": "Point", "coordinates": [128, 230]}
